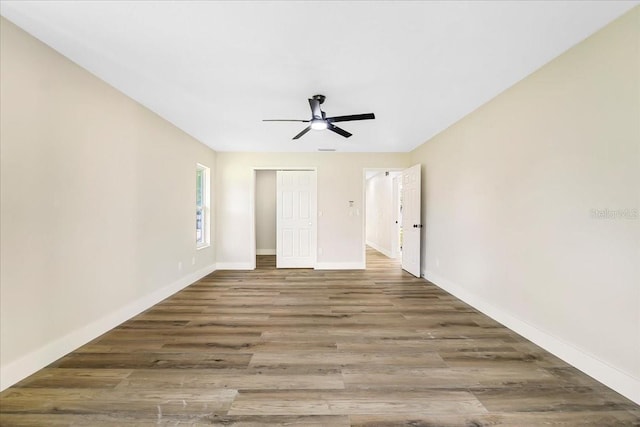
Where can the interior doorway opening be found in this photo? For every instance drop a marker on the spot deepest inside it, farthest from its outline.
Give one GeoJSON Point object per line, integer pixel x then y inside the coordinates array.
{"type": "Point", "coordinates": [265, 218]}
{"type": "Point", "coordinates": [392, 223]}
{"type": "Point", "coordinates": [383, 212]}
{"type": "Point", "coordinates": [274, 238]}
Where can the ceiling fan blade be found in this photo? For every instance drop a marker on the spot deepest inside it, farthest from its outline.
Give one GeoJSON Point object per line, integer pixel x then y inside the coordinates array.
{"type": "Point", "coordinates": [285, 120]}
{"type": "Point", "coordinates": [305, 130]}
{"type": "Point", "coordinates": [315, 108]}
{"type": "Point", "coordinates": [366, 116]}
{"type": "Point", "coordinates": [337, 130]}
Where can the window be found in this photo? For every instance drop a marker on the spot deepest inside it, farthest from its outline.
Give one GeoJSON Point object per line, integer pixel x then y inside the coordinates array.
{"type": "Point", "coordinates": [202, 206]}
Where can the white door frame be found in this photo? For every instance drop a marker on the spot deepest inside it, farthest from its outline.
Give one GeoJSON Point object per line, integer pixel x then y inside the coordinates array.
{"type": "Point", "coordinates": [252, 202]}
{"type": "Point", "coordinates": [365, 171]}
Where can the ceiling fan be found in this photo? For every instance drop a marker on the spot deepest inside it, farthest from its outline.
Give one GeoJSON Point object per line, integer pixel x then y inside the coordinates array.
{"type": "Point", "coordinates": [319, 119]}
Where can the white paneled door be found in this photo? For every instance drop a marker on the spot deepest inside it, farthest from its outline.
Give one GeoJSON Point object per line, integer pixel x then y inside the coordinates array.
{"type": "Point", "coordinates": [411, 220]}
{"type": "Point", "coordinates": [296, 219]}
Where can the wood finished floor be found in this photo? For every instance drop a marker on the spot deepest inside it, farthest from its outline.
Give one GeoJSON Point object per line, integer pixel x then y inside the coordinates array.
{"type": "Point", "coordinates": [302, 347]}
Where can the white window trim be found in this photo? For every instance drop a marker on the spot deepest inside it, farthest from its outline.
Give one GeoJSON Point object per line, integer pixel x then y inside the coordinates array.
{"type": "Point", "coordinates": [206, 207]}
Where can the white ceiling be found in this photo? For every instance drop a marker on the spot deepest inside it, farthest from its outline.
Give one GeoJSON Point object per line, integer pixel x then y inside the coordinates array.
{"type": "Point", "coordinates": [216, 69]}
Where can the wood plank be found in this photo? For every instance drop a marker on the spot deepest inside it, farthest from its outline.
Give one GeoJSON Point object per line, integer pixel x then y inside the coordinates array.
{"type": "Point", "coordinates": [345, 402]}
{"type": "Point", "coordinates": [375, 347]}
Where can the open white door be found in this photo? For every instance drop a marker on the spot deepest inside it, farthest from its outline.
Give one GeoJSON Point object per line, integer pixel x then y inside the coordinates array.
{"type": "Point", "coordinates": [296, 219]}
{"type": "Point", "coordinates": [396, 241]}
{"type": "Point", "coordinates": [411, 220]}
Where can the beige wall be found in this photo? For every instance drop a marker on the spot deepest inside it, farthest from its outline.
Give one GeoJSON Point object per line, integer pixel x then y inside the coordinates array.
{"type": "Point", "coordinates": [509, 199]}
{"type": "Point", "coordinates": [340, 180]}
{"type": "Point", "coordinates": [98, 204]}
{"type": "Point", "coordinates": [265, 212]}
{"type": "Point", "coordinates": [97, 196]}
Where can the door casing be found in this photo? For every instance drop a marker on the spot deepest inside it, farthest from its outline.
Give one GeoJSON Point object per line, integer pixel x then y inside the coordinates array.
{"type": "Point", "coordinates": [252, 204]}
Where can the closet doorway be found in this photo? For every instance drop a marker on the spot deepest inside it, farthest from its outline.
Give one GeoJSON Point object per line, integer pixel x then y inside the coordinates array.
{"type": "Point", "coordinates": [285, 217]}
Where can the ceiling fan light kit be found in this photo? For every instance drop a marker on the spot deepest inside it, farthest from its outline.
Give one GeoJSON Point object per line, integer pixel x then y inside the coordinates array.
{"type": "Point", "coordinates": [318, 124]}
{"type": "Point", "coordinates": [320, 121]}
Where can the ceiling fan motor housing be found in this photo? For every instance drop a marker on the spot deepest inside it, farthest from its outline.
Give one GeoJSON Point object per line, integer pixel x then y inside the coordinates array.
{"type": "Point", "coordinates": [319, 98]}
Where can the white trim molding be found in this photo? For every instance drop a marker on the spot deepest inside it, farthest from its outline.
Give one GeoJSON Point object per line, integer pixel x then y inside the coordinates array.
{"type": "Point", "coordinates": [622, 382]}
{"type": "Point", "coordinates": [235, 266]}
{"type": "Point", "coordinates": [340, 266]}
{"type": "Point", "coordinates": [19, 369]}
{"type": "Point", "coordinates": [380, 249]}
{"type": "Point", "coordinates": [265, 251]}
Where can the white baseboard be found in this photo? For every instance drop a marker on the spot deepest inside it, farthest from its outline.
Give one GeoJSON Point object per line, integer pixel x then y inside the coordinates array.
{"type": "Point", "coordinates": [19, 369]}
{"type": "Point", "coordinates": [340, 266]}
{"type": "Point", "coordinates": [380, 249]}
{"type": "Point", "coordinates": [235, 266]}
{"type": "Point", "coordinates": [265, 251]}
{"type": "Point", "coordinates": [319, 266]}
{"type": "Point", "coordinates": [622, 382]}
